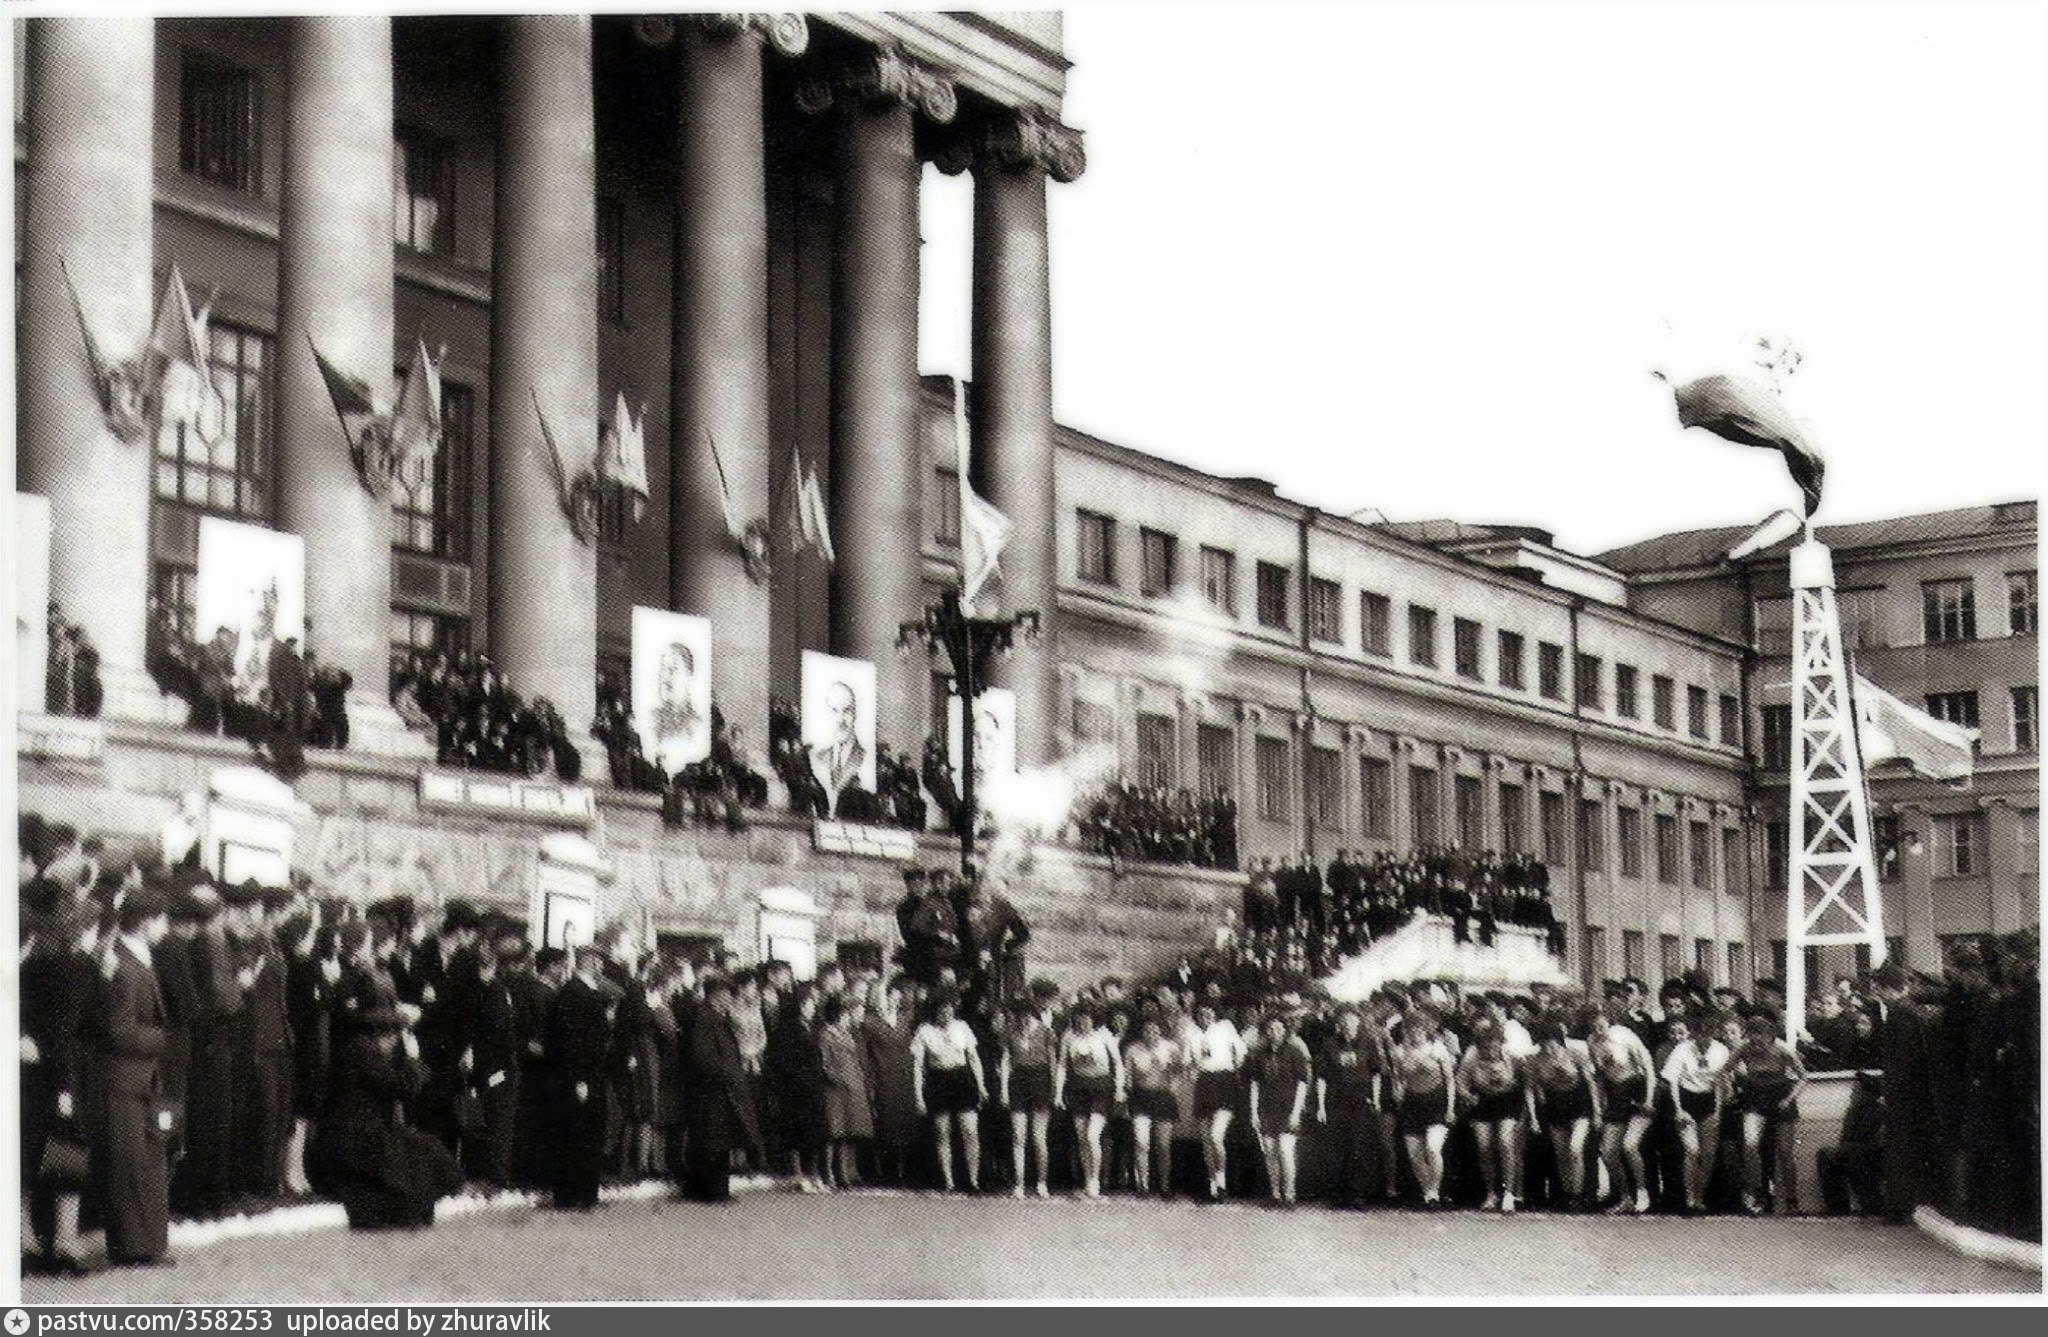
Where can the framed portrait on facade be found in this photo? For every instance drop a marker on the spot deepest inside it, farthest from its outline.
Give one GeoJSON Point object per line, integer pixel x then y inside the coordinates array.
{"type": "Point", "coordinates": [839, 722]}
{"type": "Point", "coordinates": [995, 733]}
{"type": "Point", "coordinates": [566, 919]}
{"type": "Point", "coordinates": [252, 589]}
{"type": "Point", "coordinates": [672, 686]}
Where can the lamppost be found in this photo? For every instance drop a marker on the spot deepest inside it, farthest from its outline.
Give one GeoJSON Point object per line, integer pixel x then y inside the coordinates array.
{"type": "Point", "coordinates": [969, 644]}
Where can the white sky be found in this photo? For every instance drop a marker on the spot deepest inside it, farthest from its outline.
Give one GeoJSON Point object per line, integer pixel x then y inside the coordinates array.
{"type": "Point", "coordinates": [1421, 256]}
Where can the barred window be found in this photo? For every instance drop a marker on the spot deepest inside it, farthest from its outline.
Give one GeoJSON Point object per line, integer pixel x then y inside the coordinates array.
{"type": "Point", "coordinates": [1731, 721]}
{"type": "Point", "coordinates": [1091, 718]}
{"type": "Point", "coordinates": [1326, 779]}
{"type": "Point", "coordinates": [1667, 848]}
{"type": "Point", "coordinates": [1630, 824]}
{"type": "Point", "coordinates": [1219, 580]}
{"type": "Point", "coordinates": [1550, 816]}
{"type": "Point", "coordinates": [1467, 793]}
{"type": "Point", "coordinates": [1325, 614]}
{"type": "Point", "coordinates": [1592, 851]}
{"type": "Point", "coordinates": [1159, 553]}
{"type": "Point", "coordinates": [1550, 670]}
{"type": "Point", "coordinates": [231, 476]}
{"type": "Point", "coordinates": [1586, 680]}
{"type": "Point", "coordinates": [1216, 756]}
{"type": "Point", "coordinates": [1422, 806]}
{"type": "Point", "coordinates": [1096, 539]}
{"type": "Point", "coordinates": [1465, 647]}
{"type": "Point", "coordinates": [1670, 956]}
{"type": "Point", "coordinates": [1664, 701]}
{"type": "Point", "coordinates": [1738, 966]}
{"type": "Point", "coordinates": [1954, 707]}
{"type": "Point", "coordinates": [1422, 636]}
{"type": "Point", "coordinates": [1596, 950]}
{"type": "Point", "coordinates": [1514, 820]}
{"type": "Point", "coordinates": [1625, 680]}
{"type": "Point", "coordinates": [2026, 718]}
{"type": "Point", "coordinates": [1700, 854]}
{"type": "Point", "coordinates": [423, 193]}
{"type": "Point", "coordinates": [1696, 712]}
{"type": "Point", "coordinates": [2022, 603]}
{"type": "Point", "coordinates": [1272, 595]}
{"type": "Point", "coordinates": [431, 514]}
{"type": "Point", "coordinates": [1375, 789]}
{"type": "Point", "coordinates": [1375, 613]}
{"type": "Point", "coordinates": [1632, 959]}
{"type": "Point", "coordinates": [1511, 661]}
{"type": "Point", "coordinates": [220, 123]}
{"type": "Point", "coordinates": [1272, 757]}
{"type": "Point", "coordinates": [1948, 610]}
{"type": "Point", "coordinates": [1156, 748]}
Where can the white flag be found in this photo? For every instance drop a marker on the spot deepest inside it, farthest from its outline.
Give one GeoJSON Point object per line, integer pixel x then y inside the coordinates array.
{"type": "Point", "coordinates": [984, 530]}
{"type": "Point", "coordinates": [1888, 729]}
{"type": "Point", "coordinates": [416, 421]}
{"type": "Point", "coordinates": [624, 460]}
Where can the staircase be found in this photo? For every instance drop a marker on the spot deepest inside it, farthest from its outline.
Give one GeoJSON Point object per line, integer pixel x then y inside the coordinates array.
{"type": "Point", "coordinates": [1426, 948]}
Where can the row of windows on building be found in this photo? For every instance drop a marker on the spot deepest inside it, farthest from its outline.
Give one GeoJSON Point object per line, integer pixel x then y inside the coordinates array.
{"type": "Point", "coordinates": [1948, 613]}
{"type": "Point", "coordinates": [1959, 707]}
{"type": "Point", "coordinates": [1592, 687]}
{"type": "Point", "coordinates": [1960, 846]}
{"type": "Point", "coordinates": [1948, 608]}
{"type": "Point", "coordinates": [1707, 954]}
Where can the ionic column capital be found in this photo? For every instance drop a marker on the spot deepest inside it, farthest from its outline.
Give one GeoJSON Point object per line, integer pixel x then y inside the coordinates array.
{"type": "Point", "coordinates": [1011, 140]}
{"type": "Point", "coordinates": [882, 77]}
{"type": "Point", "coordinates": [788, 34]}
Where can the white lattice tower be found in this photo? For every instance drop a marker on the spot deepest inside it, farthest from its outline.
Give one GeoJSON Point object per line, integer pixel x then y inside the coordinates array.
{"type": "Point", "coordinates": [1832, 897]}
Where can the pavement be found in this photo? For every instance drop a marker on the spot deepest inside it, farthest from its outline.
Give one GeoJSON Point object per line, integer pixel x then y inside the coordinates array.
{"type": "Point", "coordinates": [879, 1245]}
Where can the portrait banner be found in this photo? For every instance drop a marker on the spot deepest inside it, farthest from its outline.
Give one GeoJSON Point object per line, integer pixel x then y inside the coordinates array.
{"type": "Point", "coordinates": [839, 723]}
{"type": "Point", "coordinates": [672, 687]}
{"type": "Point", "coordinates": [252, 587]}
{"type": "Point", "coordinates": [995, 733]}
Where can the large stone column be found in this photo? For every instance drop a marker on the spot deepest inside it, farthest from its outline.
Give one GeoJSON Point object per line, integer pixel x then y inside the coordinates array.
{"type": "Point", "coordinates": [91, 167]}
{"type": "Point", "coordinates": [543, 597]}
{"type": "Point", "coordinates": [877, 472]}
{"type": "Point", "coordinates": [719, 357]}
{"type": "Point", "coordinates": [1012, 392]}
{"type": "Point", "coordinates": [335, 293]}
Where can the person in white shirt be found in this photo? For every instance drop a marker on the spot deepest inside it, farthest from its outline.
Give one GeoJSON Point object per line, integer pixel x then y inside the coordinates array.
{"type": "Point", "coordinates": [1219, 1055]}
{"type": "Point", "coordinates": [1693, 1072]}
{"type": "Point", "coordinates": [1088, 1082]}
{"type": "Point", "coordinates": [946, 1079]}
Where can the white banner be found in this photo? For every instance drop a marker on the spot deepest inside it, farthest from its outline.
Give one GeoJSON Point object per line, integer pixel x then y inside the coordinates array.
{"type": "Point", "coordinates": [32, 598]}
{"type": "Point", "coordinates": [839, 722]}
{"type": "Point", "coordinates": [995, 734]}
{"type": "Point", "coordinates": [252, 586]}
{"type": "Point", "coordinates": [672, 687]}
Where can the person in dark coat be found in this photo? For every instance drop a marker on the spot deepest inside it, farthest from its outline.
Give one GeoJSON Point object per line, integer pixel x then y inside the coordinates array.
{"type": "Point", "coordinates": [446, 974]}
{"type": "Point", "coordinates": [794, 1069]}
{"type": "Point", "coordinates": [59, 982]}
{"type": "Point", "coordinates": [1851, 1172]}
{"type": "Point", "coordinates": [498, 1044]}
{"type": "Point", "coordinates": [177, 978]}
{"type": "Point", "coordinates": [1911, 1113]}
{"type": "Point", "coordinates": [898, 1126]}
{"type": "Point", "coordinates": [205, 1177]}
{"type": "Point", "coordinates": [577, 1045]}
{"type": "Point", "coordinates": [718, 1114]}
{"type": "Point", "coordinates": [387, 1175]}
{"type": "Point", "coordinates": [129, 1122]}
{"type": "Point", "coordinates": [536, 987]}
{"type": "Point", "coordinates": [262, 1046]}
{"type": "Point", "coordinates": [312, 969]}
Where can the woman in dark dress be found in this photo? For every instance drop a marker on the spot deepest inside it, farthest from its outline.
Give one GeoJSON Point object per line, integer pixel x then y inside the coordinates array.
{"type": "Point", "coordinates": [386, 1174]}
{"type": "Point", "coordinates": [312, 967]}
{"type": "Point", "coordinates": [887, 1034]}
{"type": "Point", "coordinates": [794, 1067]}
{"type": "Point", "coordinates": [57, 978]}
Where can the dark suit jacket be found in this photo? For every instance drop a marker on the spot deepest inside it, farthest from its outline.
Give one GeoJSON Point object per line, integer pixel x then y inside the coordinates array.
{"type": "Point", "coordinates": [577, 1042]}
{"type": "Point", "coordinates": [130, 1027]}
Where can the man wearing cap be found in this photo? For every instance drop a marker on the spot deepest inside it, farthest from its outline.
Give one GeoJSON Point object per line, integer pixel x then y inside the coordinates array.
{"type": "Point", "coordinates": [446, 968]}
{"type": "Point", "coordinates": [130, 1125]}
{"type": "Point", "coordinates": [262, 1042]}
{"type": "Point", "coordinates": [714, 1092]}
{"type": "Point", "coordinates": [498, 1046]}
{"type": "Point", "coordinates": [178, 978]}
{"type": "Point", "coordinates": [577, 1044]}
{"type": "Point", "coordinates": [205, 1178]}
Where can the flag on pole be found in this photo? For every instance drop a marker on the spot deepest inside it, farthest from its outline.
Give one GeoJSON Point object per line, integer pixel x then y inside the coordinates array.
{"type": "Point", "coordinates": [809, 526]}
{"type": "Point", "coordinates": [354, 403]}
{"type": "Point", "coordinates": [416, 421]}
{"type": "Point", "coordinates": [734, 525]}
{"type": "Point", "coordinates": [1739, 409]}
{"type": "Point", "coordinates": [624, 461]}
{"type": "Point", "coordinates": [175, 362]}
{"type": "Point", "coordinates": [984, 530]}
{"type": "Point", "coordinates": [1888, 729]}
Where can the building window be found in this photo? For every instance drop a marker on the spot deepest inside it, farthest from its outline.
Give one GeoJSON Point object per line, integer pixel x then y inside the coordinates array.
{"type": "Point", "coordinates": [2022, 603]}
{"type": "Point", "coordinates": [946, 507]}
{"type": "Point", "coordinates": [233, 475]}
{"type": "Point", "coordinates": [1773, 621]}
{"type": "Point", "coordinates": [2027, 841]}
{"type": "Point", "coordinates": [1157, 562]}
{"type": "Point", "coordinates": [1422, 636]}
{"type": "Point", "coordinates": [1633, 963]}
{"type": "Point", "coordinates": [1777, 854]}
{"type": "Point", "coordinates": [1272, 595]}
{"type": "Point", "coordinates": [433, 517]}
{"type": "Point", "coordinates": [1422, 807]}
{"type": "Point", "coordinates": [1884, 846]}
{"type": "Point", "coordinates": [1738, 963]}
{"type": "Point", "coordinates": [176, 591]}
{"type": "Point", "coordinates": [1469, 797]}
{"type": "Point", "coordinates": [1596, 950]}
{"type": "Point", "coordinates": [423, 195]}
{"type": "Point", "coordinates": [1375, 612]}
{"type": "Point", "coordinates": [1670, 956]}
{"type": "Point", "coordinates": [1375, 790]}
{"type": "Point", "coordinates": [1095, 559]}
{"type": "Point", "coordinates": [1948, 610]}
{"type": "Point", "coordinates": [1092, 720]}
{"type": "Point", "coordinates": [1219, 580]}
{"type": "Point", "coordinates": [2026, 718]}
{"type": "Point", "coordinates": [1667, 848]}
{"type": "Point", "coordinates": [1510, 647]}
{"type": "Point", "coordinates": [1959, 845]}
{"type": "Point", "coordinates": [1550, 670]}
{"type": "Point", "coordinates": [1586, 680]}
{"type": "Point", "coordinates": [220, 123]}
{"type": "Point", "coordinates": [1156, 736]}
{"type": "Point", "coordinates": [1550, 817]}
{"type": "Point", "coordinates": [1325, 612]}
{"type": "Point", "coordinates": [1699, 851]}
{"type": "Point", "coordinates": [1630, 836]}
{"type": "Point", "coordinates": [1216, 758]}
{"type": "Point", "coordinates": [1703, 958]}
{"type": "Point", "coordinates": [1592, 856]}
{"type": "Point", "coordinates": [1625, 704]}
{"type": "Point", "coordinates": [1663, 701]}
{"type": "Point", "coordinates": [1777, 737]}
{"type": "Point", "coordinates": [1696, 712]}
{"type": "Point", "coordinates": [1731, 861]}
{"type": "Point", "coordinates": [1954, 707]}
{"type": "Point", "coordinates": [1272, 756]}
{"type": "Point", "coordinates": [415, 635]}
{"type": "Point", "coordinates": [1514, 820]}
{"type": "Point", "coordinates": [611, 260]}
{"type": "Point", "coordinates": [1731, 721]}
{"type": "Point", "coordinates": [1326, 778]}
{"type": "Point", "coordinates": [1465, 647]}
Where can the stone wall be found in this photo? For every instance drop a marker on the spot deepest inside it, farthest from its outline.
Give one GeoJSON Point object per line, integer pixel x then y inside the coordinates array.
{"type": "Point", "coordinates": [368, 836]}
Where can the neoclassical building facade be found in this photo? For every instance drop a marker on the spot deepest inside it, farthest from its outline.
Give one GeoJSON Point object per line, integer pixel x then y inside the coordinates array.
{"type": "Point", "coordinates": [715, 219]}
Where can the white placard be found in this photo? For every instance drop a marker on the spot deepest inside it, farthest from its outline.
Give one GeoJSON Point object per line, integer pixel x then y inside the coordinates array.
{"type": "Point", "coordinates": [672, 686]}
{"type": "Point", "coordinates": [995, 734]}
{"type": "Point", "coordinates": [252, 584]}
{"type": "Point", "coordinates": [839, 722]}
{"type": "Point", "coordinates": [32, 598]}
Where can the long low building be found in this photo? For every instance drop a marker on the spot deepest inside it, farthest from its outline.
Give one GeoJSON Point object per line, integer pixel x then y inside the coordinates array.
{"type": "Point", "coordinates": [713, 220]}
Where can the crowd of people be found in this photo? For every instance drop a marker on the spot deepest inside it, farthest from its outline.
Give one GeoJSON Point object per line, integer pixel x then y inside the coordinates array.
{"type": "Point", "coordinates": [1159, 824]}
{"type": "Point", "coordinates": [273, 693]}
{"type": "Point", "coordinates": [71, 669]}
{"type": "Point", "coordinates": [200, 1048]}
{"type": "Point", "coordinates": [717, 791]}
{"type": "Point", "coordinates": [1306, 917]}
{"type": "Point", "coordinates": [478, 722]}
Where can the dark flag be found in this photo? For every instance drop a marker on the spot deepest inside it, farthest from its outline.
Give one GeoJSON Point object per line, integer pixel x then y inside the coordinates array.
{"type": "Point", "coordinates": [1741, 410]}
